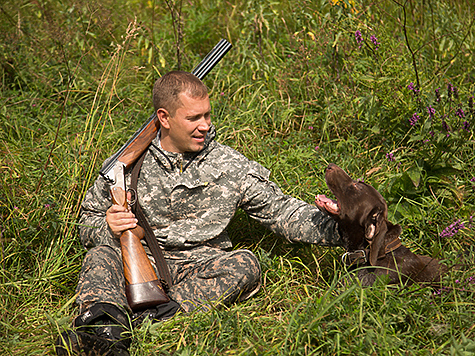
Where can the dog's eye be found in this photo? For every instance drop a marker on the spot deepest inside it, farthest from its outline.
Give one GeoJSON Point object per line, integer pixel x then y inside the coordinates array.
{"type": "Point", "coordinates": [375, 217]}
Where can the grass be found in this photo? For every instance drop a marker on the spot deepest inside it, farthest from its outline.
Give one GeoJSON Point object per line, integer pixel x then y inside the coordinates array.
{"type": "Point", "coordinates": [295, 93]}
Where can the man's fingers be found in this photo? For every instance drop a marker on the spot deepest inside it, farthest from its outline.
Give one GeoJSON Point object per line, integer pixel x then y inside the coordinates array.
{"type": "Point", "coordinates": [120, 219]}
{"type": "Point", "coordinates": [115, 208]}
{"type": "Point", "coordinates": [121, 227]}
{"type": "Point", "coordinates": [122, 215]}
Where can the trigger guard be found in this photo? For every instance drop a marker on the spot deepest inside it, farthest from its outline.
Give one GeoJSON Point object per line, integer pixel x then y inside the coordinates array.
{"type": "Point", "coordinates": [133, 193]}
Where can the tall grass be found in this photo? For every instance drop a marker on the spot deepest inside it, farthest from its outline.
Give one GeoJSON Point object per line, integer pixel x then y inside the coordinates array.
{"type": "Point", "coordinates": [298, 90]}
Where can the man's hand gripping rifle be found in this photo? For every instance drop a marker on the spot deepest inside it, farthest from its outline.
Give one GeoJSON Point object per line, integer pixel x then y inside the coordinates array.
{"type": "Point", "coordinates": [143, 287]}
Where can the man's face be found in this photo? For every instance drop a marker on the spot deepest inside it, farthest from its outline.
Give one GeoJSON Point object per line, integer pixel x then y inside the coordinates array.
{"type": "Point", "coordinates": [186, 130]}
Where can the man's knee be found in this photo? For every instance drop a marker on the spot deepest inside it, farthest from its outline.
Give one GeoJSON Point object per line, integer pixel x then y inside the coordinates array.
{"type": "Point", "coordinates": [102, 263]}
{"type": "Point", "coordinates": [248, 270]}
{"type": "Point", "coordinates": [101, 278]}
{"type": "Point", "coordinates": [247, 264]}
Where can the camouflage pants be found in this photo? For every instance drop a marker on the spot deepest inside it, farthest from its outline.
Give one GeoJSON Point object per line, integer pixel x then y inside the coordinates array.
{"type": "Point", "coordinates": [201, 277]}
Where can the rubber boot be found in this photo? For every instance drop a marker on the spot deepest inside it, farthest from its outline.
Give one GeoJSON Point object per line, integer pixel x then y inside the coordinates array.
{"type": "Point", "coordinates": [159, 313]}
{"type": "Point", "coordinates": [102, 330]}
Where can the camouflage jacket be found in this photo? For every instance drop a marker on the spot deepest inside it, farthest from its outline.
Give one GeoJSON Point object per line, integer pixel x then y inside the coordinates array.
{"type": "Point", "coordinates": [189, 200]}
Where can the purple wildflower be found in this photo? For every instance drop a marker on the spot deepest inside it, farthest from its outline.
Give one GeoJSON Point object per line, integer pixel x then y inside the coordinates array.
{"type": "Point", "coordinates": [437, 95]}
{"type": "Point", "coordinates": [431, 111]}
{"type": "Point", "coordinates": [412, 88]}
{"type": "Point", "coordinates": [452, 90]}
{"type": "Point", "coordinates": [466, 126]}
{"type": "Point", "coordinates": [449, 91]}
{"type": "Point", "coordinates": [310, 127]}
{"type": "Point", "coordinates": [460, 113]}
{"type": "Point", "coordinates": [452, 229]}
{"type": "Point", "coordinates": [456, 92]}
{"type": "Point", "coordinates": [390, 157]}
{"type": "Point", "coordinates": [375, 41]}
{"type": "Point", "coordinates": [359, 38]}
{"type": "Point", "coordinates": [472, 179]}
{"type": "Point", "coordinates": [445, 126]}
{"type": "Point", "coordinates": [440, 291]}
{"type": "Point", "coordinates": [413, 120]}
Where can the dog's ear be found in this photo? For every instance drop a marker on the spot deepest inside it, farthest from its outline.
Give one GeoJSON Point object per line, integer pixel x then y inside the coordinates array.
{"type": "Point", "coordinates": [375, 232]}
{"type": "Point", "coordinates": [393, 230]}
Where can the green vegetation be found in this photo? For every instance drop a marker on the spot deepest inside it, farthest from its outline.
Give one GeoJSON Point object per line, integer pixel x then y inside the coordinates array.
{"type": "Point", "coordinates": [383, 89]}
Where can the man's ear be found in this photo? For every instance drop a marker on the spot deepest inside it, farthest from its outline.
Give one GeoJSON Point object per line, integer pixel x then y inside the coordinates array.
{"type": "Point", "coordinates": [163, 117]}
{"type": "Point", "coordinates": [375, 232]}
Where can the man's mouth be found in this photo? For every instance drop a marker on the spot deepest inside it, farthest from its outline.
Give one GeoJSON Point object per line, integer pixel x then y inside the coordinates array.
{"type": "Point", "coordinates": [199, 139]}
{"type": "Point", "coordinates": [327, 204]}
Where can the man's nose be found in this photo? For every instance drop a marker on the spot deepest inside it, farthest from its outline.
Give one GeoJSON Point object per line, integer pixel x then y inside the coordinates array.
{"type": "Point", "coordinates": [204, 124]}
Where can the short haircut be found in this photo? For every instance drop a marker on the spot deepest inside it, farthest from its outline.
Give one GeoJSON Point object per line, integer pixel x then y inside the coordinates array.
{"type": "Point", "coordinates": [168, 87]}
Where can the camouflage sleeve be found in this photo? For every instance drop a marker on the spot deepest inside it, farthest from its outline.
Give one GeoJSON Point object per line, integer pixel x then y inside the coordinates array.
{"type": "Point", "coordinates": [93, 228]}
{"type": "Point", "coordinates": [284, 215]}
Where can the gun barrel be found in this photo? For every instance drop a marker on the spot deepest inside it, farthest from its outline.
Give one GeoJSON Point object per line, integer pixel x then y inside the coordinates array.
{"type": "Point", "coordinates": [211, 59]}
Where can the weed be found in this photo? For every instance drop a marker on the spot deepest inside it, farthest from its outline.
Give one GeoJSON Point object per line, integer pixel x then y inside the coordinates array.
{"type": "Point", "coordinates": [383, 89]}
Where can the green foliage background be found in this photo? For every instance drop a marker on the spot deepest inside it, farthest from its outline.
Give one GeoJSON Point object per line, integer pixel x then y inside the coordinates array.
{"type": "Point", "coordinates": [296, 92]}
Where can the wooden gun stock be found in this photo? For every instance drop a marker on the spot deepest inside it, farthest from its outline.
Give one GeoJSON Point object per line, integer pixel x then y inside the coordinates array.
{"type": "Point", "coordinates": [143, 288]}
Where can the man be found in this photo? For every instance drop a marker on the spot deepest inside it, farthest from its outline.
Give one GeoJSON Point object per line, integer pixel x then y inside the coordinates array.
{"type": "Point", "coordinates": [189, 188]}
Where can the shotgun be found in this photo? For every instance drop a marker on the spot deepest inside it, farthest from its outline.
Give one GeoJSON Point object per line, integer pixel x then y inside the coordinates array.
{"type": "Point", "coordinates": [143, 287]}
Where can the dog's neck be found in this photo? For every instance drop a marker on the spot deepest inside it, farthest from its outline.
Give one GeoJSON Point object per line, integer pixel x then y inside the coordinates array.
{"type": "Point", "coordinates": [357, 254]}
{"type": "Point", "coordinates": [361, 256]}
{"type": "Point", "coordinates": [392, 245]}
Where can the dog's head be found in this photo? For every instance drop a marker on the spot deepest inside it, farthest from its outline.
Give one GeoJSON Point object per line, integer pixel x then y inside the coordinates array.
{"type": "Point", "coordinates": [361, 213]}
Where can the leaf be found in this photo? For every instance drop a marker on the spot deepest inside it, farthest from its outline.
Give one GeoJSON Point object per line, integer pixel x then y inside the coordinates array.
{"type": "Point", "coordinates": [415, 174]}
{"type": "Point", "coordinates": [162, 61]}
{"type": "Point", "coordinates": [336, 39]}
{"type": "Point", "coordinates": [415, 138]}
{"type": "Point", "coordinates": [442, 45]}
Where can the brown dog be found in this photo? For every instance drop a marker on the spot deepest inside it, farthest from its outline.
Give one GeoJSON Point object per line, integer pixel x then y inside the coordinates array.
{"type": "Point", "coordinates": [371, 240]}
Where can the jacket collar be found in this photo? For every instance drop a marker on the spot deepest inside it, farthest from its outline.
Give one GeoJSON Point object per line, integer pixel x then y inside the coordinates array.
{"type": "Point", "coordinates": [169, 159]}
